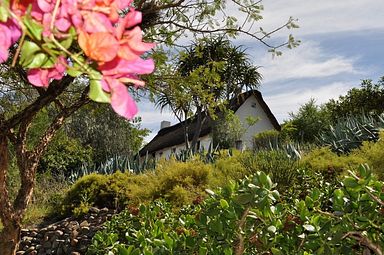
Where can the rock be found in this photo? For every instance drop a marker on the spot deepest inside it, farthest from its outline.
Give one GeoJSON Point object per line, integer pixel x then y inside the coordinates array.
{"type": "Point", "coordinates": [84, 230]}
{"type": "Point", "coordinates": [94, 210]}
{"type": "Point", "coordinates": [84, 224]}
{"type": "Point", "coordinates": [104, 210]}
{"type": "Point", "coordinates": [59, 233]}
{"type": "Point", "coordinates": [74, 233]}
{"type": "Point", "coordinates": [74, 241]}
{"type": "Point", "coordinates": [66, 237]}
{"type": "Point", "coordinates": [30, 249]}
{"type": "Point", "coordinates": [73, 225]}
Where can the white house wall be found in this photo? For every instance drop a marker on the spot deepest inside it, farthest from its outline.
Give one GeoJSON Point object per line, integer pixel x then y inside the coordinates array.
{"type": "Point", "coordinates": [251, 107]}
{"type": "Point", "coordinates": [205, 142]}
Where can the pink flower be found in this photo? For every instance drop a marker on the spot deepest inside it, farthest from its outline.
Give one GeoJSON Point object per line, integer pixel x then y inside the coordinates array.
{"type": "Point", "coordinates": [122, 103]}
{"type": "Point", "coordinates": [42, 77]}
{"type": "Point", "coordinates": [120, 71]}
{"type": "Point", "coordinates": [9, 34]}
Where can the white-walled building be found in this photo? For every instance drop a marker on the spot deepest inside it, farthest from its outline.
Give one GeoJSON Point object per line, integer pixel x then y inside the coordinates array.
{"type": "Point", "coordinates": [171, 139]}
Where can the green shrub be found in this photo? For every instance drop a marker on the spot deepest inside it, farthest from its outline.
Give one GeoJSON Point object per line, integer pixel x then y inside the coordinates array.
{"type": "Point", "coordinates": [249, 217]}
{"type": "Point", "coordinates": [64, 155]}
{"type": "Point", "coordinates": [373, 153]}
{"type": "Point", "coordinates": [192, 176]}
{"type": "Point", "coordinates": [276, 163]}
{"type": "Point", "coordinates": [265, 139]}
{"type": "Point", "coordinates": [90, 190]}
{"type": "Point", "coordinates": [324, 160]}
{"type": "Point", "coordinates": [178, 182]}
{"type": "Point", "coordinates": [226, 169]}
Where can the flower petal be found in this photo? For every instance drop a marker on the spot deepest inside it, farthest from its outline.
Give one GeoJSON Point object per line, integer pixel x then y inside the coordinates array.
{"type": "Point", "coordinates": [99, 46]}
{"type": "Point", "coordinates": [121, 102]}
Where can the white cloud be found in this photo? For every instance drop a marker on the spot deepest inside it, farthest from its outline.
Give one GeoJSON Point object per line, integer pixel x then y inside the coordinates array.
{"type": "Point", "coordinates": [325, 16]}
{"type": "Point", "coordinates": [152, 120]}
{"type": "Point", "coordinates": [283, 103]}
{"type": "Point", "coordinates": [306, 61]}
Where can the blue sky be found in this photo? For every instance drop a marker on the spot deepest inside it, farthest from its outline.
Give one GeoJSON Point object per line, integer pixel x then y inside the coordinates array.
{"type": "Point", "coordinates": [342, 43]}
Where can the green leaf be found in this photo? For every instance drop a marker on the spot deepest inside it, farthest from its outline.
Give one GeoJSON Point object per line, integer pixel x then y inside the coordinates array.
{"type": "Point", "coordinates": [315, 194]}
{"type": "Point", "coordinates": [38, 60]}
{"type": "Point", "coordinates": [224, 204]}
{"type": "Point", "coordinates": [350, 182]}
{"type": "Point", "coordinates": [275, 194]}
{"type": "Point", "coordinates": [49, 63]}
{"type": "Point", "coordinates": [216, 226]}
{"type": "Point", "coordinates": [203, 250]}
{"type": "Point", "coordinates": [271, 229]}
{"type": "Point", "coordinates": [97, 94]}
{"type": "Point", "coordinates": [244, 199]}
{"type": "Point", "coordinates": [3, 14]}
{"type": "Point", "coordinates": [123, 251]}
{"type": "Point", "coordinates": [74, 71]}
{"type": "Point", "coordinates": [276, 251]}
{"type": "Point", "coordinates": [308, 202]}
{"type": "Point", "coordinates": [339, 194]}
{"type": "Point", "coordinates": [33, 27]}
{"type": "Point", "coordinates": [27, 53]}
{"type": "Point", "coordinates": [265, 180]}
{"type": "Point", "coordinates": [67, 42]}
{"type": "Point", "coordinates": [309, 228]}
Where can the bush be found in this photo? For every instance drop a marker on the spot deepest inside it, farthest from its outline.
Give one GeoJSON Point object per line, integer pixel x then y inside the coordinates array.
{"type": "Point", "coordinates": [325, 161]}
{"type": "Point", "coordinates": [276, 163]}
{"type": "Point", "coordinates": [266, 139]}
{"type": "Point", "coordinates": [64, 155]}
{"type": "Point", "coordinates": [192, 177]}
{"type": "Point", "coordinates": [248, 217]}
{"type": "Point", "coordinates": [226, 169]}
{"type": "Point", "coordinates": [178, 182]}
{"type": "Point", "coordinates": [372, 152]}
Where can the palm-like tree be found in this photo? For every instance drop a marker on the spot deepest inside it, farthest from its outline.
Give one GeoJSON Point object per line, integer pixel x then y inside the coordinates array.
{"type": "Point", "coordinates": [225, 71]}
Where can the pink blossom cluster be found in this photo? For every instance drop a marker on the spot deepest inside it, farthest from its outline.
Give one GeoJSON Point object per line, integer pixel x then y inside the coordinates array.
{"type": "Point", "coordinates": [107, 38]}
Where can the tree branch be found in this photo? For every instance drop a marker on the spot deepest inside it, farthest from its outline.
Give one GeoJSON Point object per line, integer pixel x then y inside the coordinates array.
{"type": "Point", "coordinates": [364, 241]}
{"type": "Point", "coordinates": [28, 160]}
{"type": "Point", "coordinates": [54, 90]}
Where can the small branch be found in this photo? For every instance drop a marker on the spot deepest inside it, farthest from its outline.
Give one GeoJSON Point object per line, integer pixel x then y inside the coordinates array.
{"type": "Point", "coordinates": [378, 200]}
{"type": "Point", "coordinates": [54, 90]}
{"type": "Point", "coordinates": [364, 241]}
{"type": "Point", "coordinates": [327, 214]}
{"type": "Point", "coordinates": [240, 246]}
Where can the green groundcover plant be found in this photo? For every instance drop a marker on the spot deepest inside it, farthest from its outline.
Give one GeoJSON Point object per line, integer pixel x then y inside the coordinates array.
{"type": "Point", "coordinates": [251, 217]}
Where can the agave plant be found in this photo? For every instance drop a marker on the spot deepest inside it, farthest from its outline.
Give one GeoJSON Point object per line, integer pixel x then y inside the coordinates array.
{"type": "Point", "coordinates": [133, 164]}
{"type": "Point", "coordinates": [349, 133]}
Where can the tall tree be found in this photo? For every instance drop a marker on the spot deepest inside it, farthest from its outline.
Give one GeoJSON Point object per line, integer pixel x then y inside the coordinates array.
{"type": "Point", "coordinates": [308, 122]}
{"type": "Point", "coordinates": [208, 74]}
{"type": "Point", "coordinates": [98, 127]}
{"type": "Point", "coordinates": [369, 98]}
{"type": "Point", "coordinates": [166, 21]}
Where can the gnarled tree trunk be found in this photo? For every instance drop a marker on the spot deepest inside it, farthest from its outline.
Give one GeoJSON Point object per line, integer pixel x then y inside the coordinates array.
{"type": "Point", "coordinates": [12, 212]}
{"type": "Point", "coordinates": [10, 235]}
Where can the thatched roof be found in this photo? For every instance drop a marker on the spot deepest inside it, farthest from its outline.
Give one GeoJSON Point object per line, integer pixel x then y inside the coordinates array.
{"type": "Point", "coordinates": [174, 135]}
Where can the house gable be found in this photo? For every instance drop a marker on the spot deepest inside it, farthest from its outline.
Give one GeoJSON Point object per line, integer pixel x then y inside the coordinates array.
{"type": "Point", "coordinates": [247, 104]}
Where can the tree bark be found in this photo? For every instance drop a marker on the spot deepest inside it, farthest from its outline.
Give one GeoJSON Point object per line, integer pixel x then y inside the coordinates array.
{"type": "Point", "coordinates": [11, 214]}
{"type": "Point", "coordinates": [10, 235]}
{"type": "Point", "coordinates": [9, 238]}
{"type": "Point", "coordinates": [199, 124]}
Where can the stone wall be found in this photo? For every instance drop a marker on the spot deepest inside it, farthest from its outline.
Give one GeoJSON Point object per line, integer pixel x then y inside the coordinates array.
{"type": "Point", "coordinates": [67, 237]}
